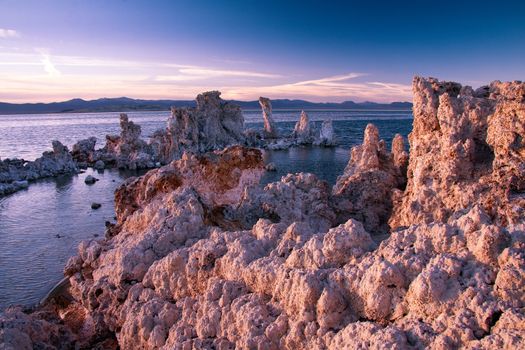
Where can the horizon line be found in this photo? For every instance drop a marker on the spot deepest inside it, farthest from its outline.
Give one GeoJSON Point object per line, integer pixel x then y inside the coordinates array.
{"type": "Point", "coordinates": [194, 99]}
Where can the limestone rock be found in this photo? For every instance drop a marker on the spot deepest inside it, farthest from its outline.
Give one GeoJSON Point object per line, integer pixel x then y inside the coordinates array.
{"type": "Point", "coordinates": [127, 151]}
{"type": "Point", "coordinates": [270, 128]}
{"type": "Point", "coordinates": [95, 205]}
{"type": "Point", "coordinates": [219, 177]}
{"type": "Point", "coordinates": [90, 180]}
{"type": "Point", "coordinates": [202, 258]}
{"type": "Point", "coordinates": [99, 165]}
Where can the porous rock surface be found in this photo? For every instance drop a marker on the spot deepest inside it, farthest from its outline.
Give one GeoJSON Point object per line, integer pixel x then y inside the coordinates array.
{"type": "Point", "coordinates": [201, 258]}
{"type": "Point", "coordinates": [15, 174]}
{"type": "Point", "coordinates": [466, 146]}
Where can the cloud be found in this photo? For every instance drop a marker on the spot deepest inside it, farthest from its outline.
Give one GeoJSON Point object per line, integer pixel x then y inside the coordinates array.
{"type": "Point", "coordinates": [212, 73]}
{"type": "Point", "coordinates": [49, 67]}
{"type": "Point", "coordinates": [8, 33]}
{"type": "Point", "coordinates": [334, 88]}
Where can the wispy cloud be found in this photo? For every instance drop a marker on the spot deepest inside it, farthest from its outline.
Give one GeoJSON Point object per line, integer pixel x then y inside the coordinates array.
{"type": "Point", "coordinates": [8, 33]}
{"type": "Point", "coordinates": [41, 76]}
{"type": "Point", "coordinates": [49, 67]}
{"type": "Point", "coordinates": [335, 88]}
{"type": "Point", "coordinates": [209, 73]}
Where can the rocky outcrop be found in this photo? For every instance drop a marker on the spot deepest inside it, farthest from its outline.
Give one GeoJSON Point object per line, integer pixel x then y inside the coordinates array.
{"type": "Point", "coordinates": [270, 129]}
{"type": "Point", "coordinates": [83, 151]}
{"type": "Point", "coordinates": [466, 148]}
{"type": "Point", "coordinates": [371, 182]}
{"type": "Point", "coordinates": [220, 179]}
{"type": "Point", "coordinates": [127, 151]}
{"type": "Point", "coordinates": [213, 124]}
{"type": "Point", "coordinates": [15, 174]}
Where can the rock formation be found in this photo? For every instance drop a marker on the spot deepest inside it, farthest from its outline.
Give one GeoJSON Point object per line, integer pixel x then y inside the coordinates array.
{"type": "Point", "coordinates": [212, 125]}
{"type": "Point", "coordinates": [15, 173]}
{"type": "Point", "coordinates": [128, 150]}
{"type": "Point", "coordinates": [202, 258]}
{"type": "Point", "coordinates": [302, 132]}
{"type": "Point", "coordinates": [83, 151]}
{"type": "Point", "coordinates": [326, 135]}
{"type": "Point", "coordinates": [371, 181]}
{"type": "Point", "coordinates": [270, 129]}
{"type": "Point", "coordinates": [466, 147]}
{"type": "Point", "coordinates": [125, 151]}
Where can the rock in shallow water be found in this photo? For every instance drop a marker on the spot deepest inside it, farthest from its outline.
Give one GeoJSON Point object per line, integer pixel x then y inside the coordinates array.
{"type": "Point", "coordinates": [95, 205]}
{"type": "Point", "coordinates": [90, 180]}
{"type": "Point", "coordinates": [15, 174]}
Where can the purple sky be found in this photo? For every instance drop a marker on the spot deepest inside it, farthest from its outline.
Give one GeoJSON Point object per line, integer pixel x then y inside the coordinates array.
{"type": "Point", "coordinates": [320, 51]}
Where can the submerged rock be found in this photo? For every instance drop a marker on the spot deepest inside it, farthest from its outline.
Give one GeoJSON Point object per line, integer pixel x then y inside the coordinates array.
{"type": "Point", "coordinates": [95, 205]}
{"type": "Point", "coordinates": [270, 167]}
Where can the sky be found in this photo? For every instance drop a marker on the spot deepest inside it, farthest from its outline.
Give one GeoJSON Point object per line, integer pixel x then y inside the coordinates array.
{"type": "Point", "coordinates": [54, 50]}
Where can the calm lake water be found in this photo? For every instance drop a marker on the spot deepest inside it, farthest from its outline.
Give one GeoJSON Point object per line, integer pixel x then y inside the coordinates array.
{"type": "Point", "coordinates": [40, 227]}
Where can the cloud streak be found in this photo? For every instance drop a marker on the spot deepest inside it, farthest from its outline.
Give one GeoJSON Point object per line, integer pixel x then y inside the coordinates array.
{"type": "Point", "coordinates": [8, 33]}
{"type": "Point", "coordinates": [335, 88]}
{"type": "Point", "coordinates": [49, 67]}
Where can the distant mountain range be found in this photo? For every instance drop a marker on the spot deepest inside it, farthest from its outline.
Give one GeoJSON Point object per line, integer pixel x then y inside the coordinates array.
{"type": "Point", "coordinates": [125, 104]}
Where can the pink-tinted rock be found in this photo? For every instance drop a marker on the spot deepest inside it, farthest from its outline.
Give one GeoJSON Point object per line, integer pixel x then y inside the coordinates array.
{"type": "Point", "coordinates": [465, 148]}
